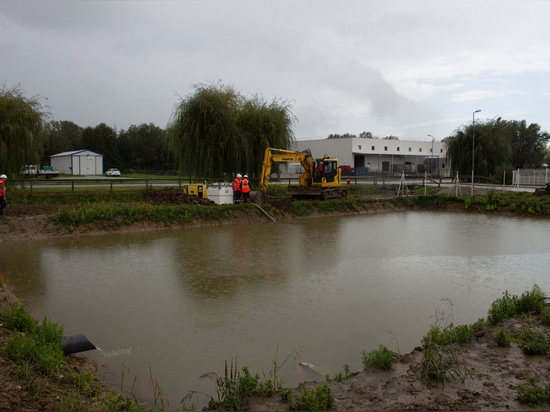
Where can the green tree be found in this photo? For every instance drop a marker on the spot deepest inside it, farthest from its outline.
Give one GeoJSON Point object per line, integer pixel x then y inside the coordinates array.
{"type": "Point", "coordinates": [203, 132]}
{"type": "Point", "coordinates": [144, 147]}
{"type": "Point", "coordinates": [102, 139]}
{"type": "Point", "coordinates": [62, 136]}
{"type": "Point", "coordinates": [528, 144]}
{"type": "Point", "coordinates": [215, 131]}
{"type": "Point", "coordinates": [263, 125]}
{"type": "Point", "coordinates": [22, 125]}
{"type": "Point", "coordinates": [499, 145]}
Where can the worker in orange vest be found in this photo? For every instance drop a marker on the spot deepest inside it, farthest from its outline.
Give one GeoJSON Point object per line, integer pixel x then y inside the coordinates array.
{"type": "Point", "coordinates": [3, 179]}
{"type": "Point", "coordinates": [237, 188]}
{"type": "Point", "coordinates": [245, 187]}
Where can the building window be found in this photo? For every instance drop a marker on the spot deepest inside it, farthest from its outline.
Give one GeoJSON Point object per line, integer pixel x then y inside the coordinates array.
{"type": "Point", "coordinates": [440, 150]}
{"type": "Point", "coordinates": [420, 149]}
{"type": "Point", "coordinates": [398, 149]}
{"type": "Point", "coordinates": [372, 148]}
{"type": "Point", "coordinates": [359, 147]}
{"type": "Point", "coordinates": [410, 149]}
{"type": "Point", "coordinates": [385, 148]}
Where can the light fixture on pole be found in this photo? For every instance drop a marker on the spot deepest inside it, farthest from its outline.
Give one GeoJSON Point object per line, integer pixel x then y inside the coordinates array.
{"type": "Point", "coordinates": [545, 173]}
{"type": "Point", "coordinates": [473, 145]}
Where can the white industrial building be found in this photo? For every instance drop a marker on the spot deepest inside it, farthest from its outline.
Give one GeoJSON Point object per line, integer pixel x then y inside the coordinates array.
{"type": "Point", "coordinates": [381, 155]}
{"type": "Point", "coordinates": [78, 162]}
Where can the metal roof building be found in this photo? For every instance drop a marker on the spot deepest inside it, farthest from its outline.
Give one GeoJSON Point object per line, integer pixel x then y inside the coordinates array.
{"type": "Point", "coordinates": [78, 162]}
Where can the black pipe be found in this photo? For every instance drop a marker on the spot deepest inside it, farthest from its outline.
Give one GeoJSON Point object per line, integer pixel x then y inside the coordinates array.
{"type": "Point", "coordinates": [75, 343]}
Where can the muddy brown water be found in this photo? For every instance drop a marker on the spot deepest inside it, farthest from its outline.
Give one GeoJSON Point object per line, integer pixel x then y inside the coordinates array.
{"type": "Point", "coordinates": [173, 305]}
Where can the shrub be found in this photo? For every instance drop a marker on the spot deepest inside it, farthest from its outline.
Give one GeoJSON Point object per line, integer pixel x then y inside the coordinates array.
{"type": "Point", "coordinates": [534, 342]}
{"type": "Point", "coordinates": [511, 305]}
{"type": "Point", "coordinates": [502, 338]}
{"type": "Point", "coordinates": [381, 358]}
{"type": "Point", "coordinates": [440, 364]}
{"type": "Point", "coordinates": [38, 350]}
{"type": "Point", "coordinates": [502, 308]}
{"type": "Point", "coordinates": [533, 394]}
{"type": "Point", "coordinates": [339, 377]}
{"type": "Point", "coordinates": [315, 399]}
{"type": "Point", "coordinates": [236, 387]}
{"type": "Point", "coordinates": [17, 318]}
{"type": "Point", "coordinates": [530, 301]}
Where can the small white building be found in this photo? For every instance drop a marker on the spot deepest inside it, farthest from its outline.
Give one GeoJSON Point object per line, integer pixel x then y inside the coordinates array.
{"type": "Point", "coordinates": [78, 162]}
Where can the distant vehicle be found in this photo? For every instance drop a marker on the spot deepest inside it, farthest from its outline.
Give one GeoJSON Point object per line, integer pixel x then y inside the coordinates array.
{"type": "Point", "coordinates": [112, 172]}
{"type": "Point", "coordinates": [545, 190]}
{"type": "Point", "coordinates": [48, 172]}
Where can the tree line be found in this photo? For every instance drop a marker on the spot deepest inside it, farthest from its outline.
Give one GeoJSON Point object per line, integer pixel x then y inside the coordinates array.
{"type": "Point", "coordinates": [216, 132]}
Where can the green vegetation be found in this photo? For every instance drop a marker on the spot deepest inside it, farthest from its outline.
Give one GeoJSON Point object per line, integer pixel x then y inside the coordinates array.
{"type": "Point", "coordinates": [235, 388]}
{"type": "Point", "coordinates": [440, 362]}
{"type": "Point", "coordinates": [502, 337]}
{"type": "Point", "coordinates": [227, 131]}
{"type": "Point", "coordinates": [381, 358]}
{"type": "Point", "coordinates": [501, 145]}
{"type": "Point", "coordinates": [36, 347]}
{"type": "Point", "coordinates": [22, 126]}
{"type": "Point", "coordinates": [511, 305]}
{"type": "Point", "coordinates": [339, 377]}
{"type": "Point", "coordinates": [533, 393]}
{"type": "Point", "coordinates": [318, 398]}
{"type": "Point", "coordinates": [534, 342]}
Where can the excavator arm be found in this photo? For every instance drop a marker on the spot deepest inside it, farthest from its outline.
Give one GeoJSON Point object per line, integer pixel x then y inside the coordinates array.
{"type": "Point", "coordinates": [286, 156]}
{"type": "Point", "coordinates": [323, 182]}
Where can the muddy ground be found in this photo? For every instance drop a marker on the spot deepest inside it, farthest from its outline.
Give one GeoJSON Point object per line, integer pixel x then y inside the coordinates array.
{"type": "Point", "coordinates": [492, 373]}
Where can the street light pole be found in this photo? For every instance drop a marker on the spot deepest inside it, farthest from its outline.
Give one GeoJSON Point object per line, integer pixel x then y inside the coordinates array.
{"type": "Point", "coordinates": [432, 157]}
{"type": "Point", "coordinates": [473, 145]}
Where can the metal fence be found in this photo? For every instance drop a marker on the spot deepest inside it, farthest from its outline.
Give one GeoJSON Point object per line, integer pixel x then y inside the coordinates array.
{"type": "Point", "coordinates": [530, 177]}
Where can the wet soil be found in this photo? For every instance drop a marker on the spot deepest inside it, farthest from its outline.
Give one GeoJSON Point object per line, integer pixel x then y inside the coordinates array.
{"type": "Point", "coordinates": [487, 379]}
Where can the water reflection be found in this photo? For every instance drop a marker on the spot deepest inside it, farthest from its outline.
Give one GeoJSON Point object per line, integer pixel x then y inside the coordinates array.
{"type": "Point", "coordinates": [179, 303]}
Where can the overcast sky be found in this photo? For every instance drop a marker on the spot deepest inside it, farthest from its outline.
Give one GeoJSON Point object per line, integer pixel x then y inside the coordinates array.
{"type": "Point", "coordinates": [406, 68]}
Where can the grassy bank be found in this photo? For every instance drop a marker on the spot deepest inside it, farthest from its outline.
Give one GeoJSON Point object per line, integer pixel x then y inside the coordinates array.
{"type": "Point", "coordinates": [165, 207]}
{"type": "Point", "coordinates": [110, 214]}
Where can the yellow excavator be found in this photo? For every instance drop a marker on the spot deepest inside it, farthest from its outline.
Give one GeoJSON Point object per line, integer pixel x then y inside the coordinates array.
{"type": "Point", "coordinates": [321, 179]}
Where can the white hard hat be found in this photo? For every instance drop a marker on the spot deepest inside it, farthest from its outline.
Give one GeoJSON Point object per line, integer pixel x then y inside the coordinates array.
{"type": "Point", "coordinates": [239, 175]}
{"type": "Point", "coordinates": [3, 176]}
{"type": "Point", "coordinates": [246, 176]}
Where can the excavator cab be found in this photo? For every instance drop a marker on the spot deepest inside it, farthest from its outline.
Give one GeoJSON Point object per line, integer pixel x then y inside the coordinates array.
{"type": "Point", "coordinates": [326, 171]}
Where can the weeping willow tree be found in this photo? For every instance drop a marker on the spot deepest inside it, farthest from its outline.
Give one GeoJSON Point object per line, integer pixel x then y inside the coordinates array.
{"type": "Point", "coordinates": [22, 124]}
{"type": "Point", "coordinates": [264, 125]}
{"type": "Point", "coordinates": [500, 145]}
{"type": "Point", "coordinates": [215, 132]}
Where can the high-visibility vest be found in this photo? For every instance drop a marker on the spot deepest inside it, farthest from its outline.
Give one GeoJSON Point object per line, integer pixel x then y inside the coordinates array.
{"type": "Point", "coordinates": [245, 186]}
{"type": "Point", "coordinates": [237, 184]}
{"type": "Point", "coordinates": [2, 187]}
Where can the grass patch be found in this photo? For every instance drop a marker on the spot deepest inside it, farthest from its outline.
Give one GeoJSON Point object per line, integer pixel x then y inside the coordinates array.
{"type": "Point", "coordinates": [509, 306]}
{"type": "Point", "coordinates": [533, 393]}
{"type": "Point", "coordinates": [381, 358]}
{"type": "Point", "coordinates": [318, 398]}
